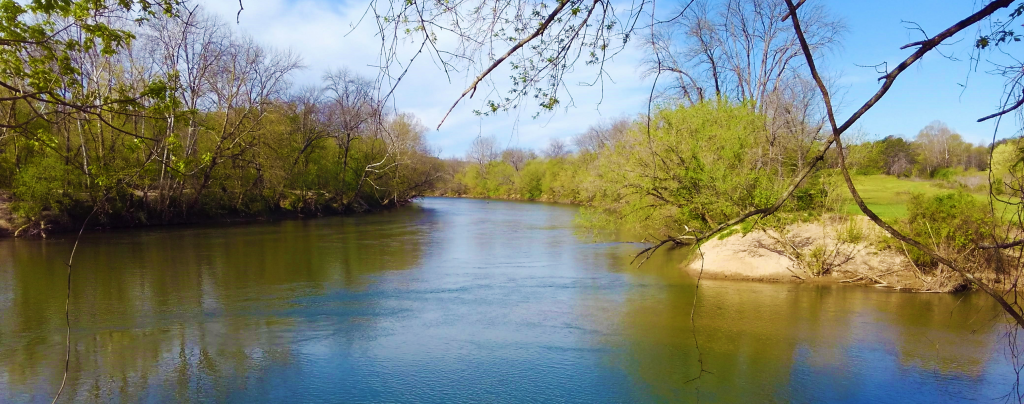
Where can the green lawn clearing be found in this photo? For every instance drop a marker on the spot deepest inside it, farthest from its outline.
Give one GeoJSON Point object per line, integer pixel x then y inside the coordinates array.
{"type": "Point", "coordinates": [888, 196]}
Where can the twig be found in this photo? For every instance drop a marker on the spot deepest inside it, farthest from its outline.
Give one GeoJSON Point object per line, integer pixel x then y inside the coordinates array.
{"type": "Point", "coordinates": [67, 304]}
{"type": "Point", "coordinates": [540, 30]}
{"type": "Point", "coordinates": [1005, 111]}
{"type": "Point", "coordinates": [693, 324]}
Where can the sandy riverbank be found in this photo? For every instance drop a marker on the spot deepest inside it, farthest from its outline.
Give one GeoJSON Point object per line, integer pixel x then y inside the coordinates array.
{"type": "Point", "coordinates": [831, 250]}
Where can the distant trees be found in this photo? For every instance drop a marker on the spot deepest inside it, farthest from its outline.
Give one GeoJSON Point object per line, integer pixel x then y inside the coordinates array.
{"type": "Point", "coordinates": [483, 150]}
{"type": "Point", "coordinates": [601, 135]}
{"type": "Point", "coordinates": [935, 147]}
{"type": "Point", "coordinates": [891, 155]}
{"type": "Point", "coordinates": [557, 148]}
{"type": "Point", "coordinates": [698, 165]}
{"type": "Point", "coordinates": [939, 147]}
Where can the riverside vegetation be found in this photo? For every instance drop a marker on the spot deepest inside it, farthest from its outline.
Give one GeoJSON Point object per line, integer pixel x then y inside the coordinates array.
{"type": "Point", "coordinates": [156, 112]}
{"type": "Point", "coordinates": [185, 120]}
{"type": "Point", "coordinates": [151, 111]}
{"type": "Point", "coordinates": [694, 167]}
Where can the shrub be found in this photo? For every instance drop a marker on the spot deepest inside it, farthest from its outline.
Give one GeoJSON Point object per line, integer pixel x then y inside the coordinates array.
{"type": "Point", "coordinates": [695, 167]}
{"type": "Point", "coordinates": [947, 174]}
{"type": "Point", "coordinates": [39, 187]}
{"type": "Point", "coordinates": [952, 223]}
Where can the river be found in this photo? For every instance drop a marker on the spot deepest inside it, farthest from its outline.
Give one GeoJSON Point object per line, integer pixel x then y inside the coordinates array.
{"type": "Point", "coordinates": [462, 301]}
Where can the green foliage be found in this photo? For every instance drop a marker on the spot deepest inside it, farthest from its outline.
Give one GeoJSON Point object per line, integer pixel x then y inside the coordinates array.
{"type": "Point", "coordinates": [696, 167]}
{"type": "Point", "coordinates": [155, 154]}
{"type": "Point", "coordinates": [37, 54]}
{"type": "Point", "coordinates": [812, 196]}
{"type": "Point", "coordinates": [560, 180]}
{"type": "Point", "coordinates": [891, 155]}
{"type": "Point", "coordinates": [947, 174]}
{"type": "Point", "coordinates": [1006, 166]}
{"type": "Point", "coordinates": [531, 181]}
{"type": "Point", "coordinates": [951, 223]}
{"type": "Point", "coordinates": [40, 187]}
{"type": "Point", "coordinates": [851, 232]}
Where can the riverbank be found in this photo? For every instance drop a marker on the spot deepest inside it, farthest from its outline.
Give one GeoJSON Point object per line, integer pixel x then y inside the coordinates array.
{"type": "Point", "coordinates": [12, 226]}
{"type": "Point", "coordinates": [835, 249]}
{"type": "Point", "coordinates": [511, 197]}
{"type": "Point", "coordinates": [848, 249]}
{"type": "Point", "coordinates": [6, 217]}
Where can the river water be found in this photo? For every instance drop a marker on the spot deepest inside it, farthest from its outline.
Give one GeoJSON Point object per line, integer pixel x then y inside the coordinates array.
{"type": "Point", "coordinates": [462, 301]}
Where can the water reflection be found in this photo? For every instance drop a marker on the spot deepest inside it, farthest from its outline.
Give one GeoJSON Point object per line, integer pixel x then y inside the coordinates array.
{"type": "Point", "coordinates": [808, 343]}
{"type": "Point", "coordinates": [461, 301]}
{"type": "Point", "coordinates": [181, 313]}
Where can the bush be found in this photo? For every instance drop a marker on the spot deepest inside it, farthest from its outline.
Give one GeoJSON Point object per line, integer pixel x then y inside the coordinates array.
{"type": "Point", "coordinates": [695, 167]}
{"type": "Point", "coordinates": [40, 187]}
{"type": "Point", "coordinates": [952, 223]}
{"type": "Point", "coordinates": [947, 174]}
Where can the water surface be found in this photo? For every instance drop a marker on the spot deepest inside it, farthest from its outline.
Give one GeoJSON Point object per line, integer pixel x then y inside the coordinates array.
{"type": "Point", "coordinates": [460, 301]}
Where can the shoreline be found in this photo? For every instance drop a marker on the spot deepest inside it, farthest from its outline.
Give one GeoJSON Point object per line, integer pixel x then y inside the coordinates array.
{"type": "Point", "coordinates": [7, 230]}
{"type": "Point", "coordinates": [817, 252]}
{"type": "Point", "coordinates": [778, 258]}
{"type": "Point", "coordinates": [508, 198]}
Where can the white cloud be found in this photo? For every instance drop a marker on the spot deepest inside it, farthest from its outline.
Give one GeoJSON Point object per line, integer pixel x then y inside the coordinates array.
{"type": "Point", "coordinates": [324, 33]}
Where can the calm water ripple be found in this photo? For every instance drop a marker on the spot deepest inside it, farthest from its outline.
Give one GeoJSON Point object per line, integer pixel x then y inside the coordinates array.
{"type": "Point", "coordinates": [462, 301]}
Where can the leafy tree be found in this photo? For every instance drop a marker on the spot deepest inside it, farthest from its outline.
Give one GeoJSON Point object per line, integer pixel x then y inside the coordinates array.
{"type": "Point", "coordinates": [696, 168]}
{"type": "Point", "coordinates": [40, 41]}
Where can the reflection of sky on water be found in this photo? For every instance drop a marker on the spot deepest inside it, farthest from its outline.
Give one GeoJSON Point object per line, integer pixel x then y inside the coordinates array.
{"type": "Point", "coordinates": [462, 301]}
{"type": "Point", "coordinates": [889, 381]}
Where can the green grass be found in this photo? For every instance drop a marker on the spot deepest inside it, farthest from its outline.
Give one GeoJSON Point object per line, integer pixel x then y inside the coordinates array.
{"type": "Point", "coordinates": [888, 196]}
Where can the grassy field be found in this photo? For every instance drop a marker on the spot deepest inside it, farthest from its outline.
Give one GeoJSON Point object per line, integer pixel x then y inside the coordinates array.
{"type": "Point", "coordinates": [888, 196]}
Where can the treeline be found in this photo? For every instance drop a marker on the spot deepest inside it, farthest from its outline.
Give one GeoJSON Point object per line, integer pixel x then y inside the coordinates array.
{"type": "Point", "coordinates": [692, 166]}
{"type": "Point", "coordinates": [572, 172]}
{"type": "Point", "coordinates": [188, 120]}
{"type": "Point", "coordinates": [936, 152]}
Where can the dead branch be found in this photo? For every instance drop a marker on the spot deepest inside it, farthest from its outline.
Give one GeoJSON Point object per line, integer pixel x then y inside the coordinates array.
{"type": "Point", "coordinates": [1004, 111]}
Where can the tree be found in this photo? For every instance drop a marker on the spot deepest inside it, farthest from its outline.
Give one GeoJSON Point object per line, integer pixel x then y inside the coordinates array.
{"type": "Point", "coordinates": [696, 168]}
{"type": "Point", "coordinates": [940, 147]}
{"type": "Point", "coordinates": [483, 150]}
{"type": "Point", "coordinates": [556, 149]}
{"type": "Point", "coordinates": [599, 136]}
{"type": "Point", "coordinates": [38, 44]}
{"type": "Point", "coordinates": [228, 135]}
{"type": "Point", "coordinates": [739, 50]}
{"type": "Point", "coordinates": [517, 157]}
{"type": "Point", "coordinates": [352, 112]}
{"type": "Point", "coordinates": [898, 156]}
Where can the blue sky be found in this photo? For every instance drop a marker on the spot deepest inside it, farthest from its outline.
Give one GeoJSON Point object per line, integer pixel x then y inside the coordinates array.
{"type": "Point", "coordinates": [320, 31]}
{"type": "Point", "coordinates": [935, 88]}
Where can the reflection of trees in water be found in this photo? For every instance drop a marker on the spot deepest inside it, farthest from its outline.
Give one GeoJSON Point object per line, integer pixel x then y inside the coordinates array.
{"type": "Point", "coordinates": [758, 339]}
{"type": "Point", "coordinates": [198, 312]}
